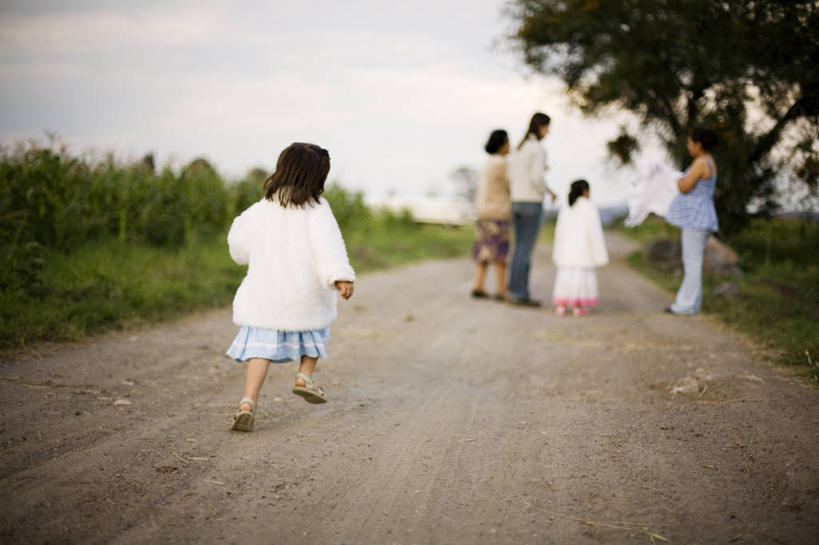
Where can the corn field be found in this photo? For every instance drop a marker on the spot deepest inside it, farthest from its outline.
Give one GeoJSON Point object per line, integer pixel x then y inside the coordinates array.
{"type": "Point", "coordinates": [52, 201]}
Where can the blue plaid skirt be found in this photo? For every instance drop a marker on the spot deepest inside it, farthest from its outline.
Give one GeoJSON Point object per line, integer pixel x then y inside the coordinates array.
{"type": "Point", "coordinates": [278, 346]}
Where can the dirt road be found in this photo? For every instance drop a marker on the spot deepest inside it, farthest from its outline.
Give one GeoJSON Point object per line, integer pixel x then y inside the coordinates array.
{"type": "Point", "coordinates": [450, 421]}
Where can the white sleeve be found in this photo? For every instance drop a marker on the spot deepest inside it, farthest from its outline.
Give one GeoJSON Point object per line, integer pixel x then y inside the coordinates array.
{"type": "Point", "coordinates": [537, 166]}
{"type": "Point", "coordinates": [557, 246]}
{"type": "Point", "coordinates": [240, 237]}
{"type": "Point", "coordinates": [600, 255]}
{"type": "Point", "coordinates": [327, 246]}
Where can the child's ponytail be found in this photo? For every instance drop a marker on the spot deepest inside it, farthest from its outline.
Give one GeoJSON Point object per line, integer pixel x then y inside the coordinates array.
{"type": "Point", "coordinates": [577, 189]}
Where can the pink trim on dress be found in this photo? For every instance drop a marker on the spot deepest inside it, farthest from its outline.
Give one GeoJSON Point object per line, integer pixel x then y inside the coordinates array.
{"type": "Point", "coordinates": [566, 301]}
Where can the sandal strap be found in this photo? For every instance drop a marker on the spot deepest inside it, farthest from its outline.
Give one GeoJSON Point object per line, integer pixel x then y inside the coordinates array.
{"type": "Point", "coordinates": [308, 380]}
{"type": "Point", "coordinates": [310, 383]}
{"type": "Point", "coordinates": [250, 402]}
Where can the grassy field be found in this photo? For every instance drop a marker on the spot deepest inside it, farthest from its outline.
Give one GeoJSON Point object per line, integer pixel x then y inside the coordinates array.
{"type": "Point", "coordinates": [107, 284]}
{"type": "Point", "coordinates": [93, 245]}
{"type": "Point", "coordinates": [778, 307]}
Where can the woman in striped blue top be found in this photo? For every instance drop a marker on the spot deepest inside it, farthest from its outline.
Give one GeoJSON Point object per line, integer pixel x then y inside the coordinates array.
{"type": "Point", "coordinates": [693, 211]}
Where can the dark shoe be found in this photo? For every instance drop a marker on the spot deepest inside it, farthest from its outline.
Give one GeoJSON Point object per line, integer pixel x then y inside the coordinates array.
{"type": "Point", "coordinates": [479, 294]}
{"type": "Point", "coordinates": [523, 302]}
{"type": "Point", "coordinates": [499, 297]}
{"type": "Point", "coordinates": [668, 310]}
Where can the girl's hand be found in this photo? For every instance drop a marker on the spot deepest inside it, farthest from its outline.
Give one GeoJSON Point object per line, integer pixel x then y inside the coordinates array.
{"type": "Point", "coordinates": [346, 288]}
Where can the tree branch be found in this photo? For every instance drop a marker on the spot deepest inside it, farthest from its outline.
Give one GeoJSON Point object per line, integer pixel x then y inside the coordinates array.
{"type": "Point", "coordinates": [676, 126]}
{"type": "Point", "coordinates": [769, 140]}
{"type": "Point", "coordinates": [691, 105]}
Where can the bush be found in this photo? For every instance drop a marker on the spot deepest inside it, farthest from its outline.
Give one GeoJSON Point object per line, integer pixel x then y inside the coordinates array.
{"type": "Point", "coordinates": [348, 207]}
{"type": "Point", "coordinates": [779, 300]}
{"type": "Point", "coordinates": [89, 245]}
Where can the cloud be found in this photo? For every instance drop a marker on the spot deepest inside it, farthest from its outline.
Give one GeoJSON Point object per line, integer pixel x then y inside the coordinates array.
{"type": "Point", "coordinates": [400, 97]}
{"type": "Point", "coordinates": [67, 33]}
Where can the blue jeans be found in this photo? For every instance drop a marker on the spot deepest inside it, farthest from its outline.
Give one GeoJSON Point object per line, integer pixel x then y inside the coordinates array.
{"type": "Point", "coordinates": [526, 218]}
{"type": "Point", "coordinates": [690, 294]}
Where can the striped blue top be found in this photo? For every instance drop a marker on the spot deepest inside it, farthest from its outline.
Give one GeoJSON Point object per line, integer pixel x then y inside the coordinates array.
{"type": "Point", "coordinates": [695, 209]}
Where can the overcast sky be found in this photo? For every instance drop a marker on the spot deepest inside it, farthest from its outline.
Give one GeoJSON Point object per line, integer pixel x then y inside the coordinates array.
{"type": "Point", "coordinates": [401, 93]}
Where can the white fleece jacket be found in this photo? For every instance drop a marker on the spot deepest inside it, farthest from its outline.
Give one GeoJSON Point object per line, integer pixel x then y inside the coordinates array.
{"type": "Point", "coordinates": [579, 240]}
{"type": "Point", "coordinates": [294, 256]}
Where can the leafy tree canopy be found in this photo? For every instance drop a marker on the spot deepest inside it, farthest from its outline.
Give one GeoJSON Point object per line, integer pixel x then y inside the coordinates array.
{"type": "Point", "coordinates": [748, 69]}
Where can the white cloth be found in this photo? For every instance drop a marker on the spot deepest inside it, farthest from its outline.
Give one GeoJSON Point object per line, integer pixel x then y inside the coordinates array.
{"type": "Point", "coordinates": [575, 286]}
{"type": "Point", "coordinates": [294, 256]}
{"type": "Point", "coordinates": [579, 238]}
{"type": "Point", "coordinates": [651, 190]}
{"type": "Point", "coordinates": [526, 169]}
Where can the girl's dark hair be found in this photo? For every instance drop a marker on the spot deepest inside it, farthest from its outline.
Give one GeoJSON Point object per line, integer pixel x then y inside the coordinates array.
{"type": "Point", "coordinates": [300, 175]}
{"type": "Point", "coordinates": [538, 120]}
{"type": "Point", "coordinates": [496, 141]}
{"type": "Point", "coordinates": [706, 137]}
{"type": "Point", "coordinates": [577, 189]}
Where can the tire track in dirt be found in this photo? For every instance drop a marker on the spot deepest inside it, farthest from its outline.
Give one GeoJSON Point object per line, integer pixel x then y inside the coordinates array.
{"type": "Point", "coordinates": [450, 421]}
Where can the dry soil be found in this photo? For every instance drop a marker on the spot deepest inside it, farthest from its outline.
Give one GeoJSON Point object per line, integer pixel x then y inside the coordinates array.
{"type": "Point", "coordinates": [450, 421]}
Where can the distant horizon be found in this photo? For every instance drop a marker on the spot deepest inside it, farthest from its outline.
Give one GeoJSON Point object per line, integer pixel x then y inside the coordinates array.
{"type": "Point", "coordinates": [176, 163]}
{"type": "Point", "coordinates": [399, 98]}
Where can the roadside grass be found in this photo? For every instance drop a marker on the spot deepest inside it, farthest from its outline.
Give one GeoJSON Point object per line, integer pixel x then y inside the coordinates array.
{"type": "Point", "coordinates": [778, 307]}
{"type": "Point", "coordinates": [106, 285]}
{"type": "Point", "coordinates": [384, 248]}
{"type": "Point", "coordinates": [93, 244]}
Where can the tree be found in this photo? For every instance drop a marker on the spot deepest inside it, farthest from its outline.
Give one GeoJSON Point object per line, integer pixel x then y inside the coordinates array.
{"type": "Point", "coordinates": [748, 69]}
{"type": "Point", "coordinates": [466, 180]}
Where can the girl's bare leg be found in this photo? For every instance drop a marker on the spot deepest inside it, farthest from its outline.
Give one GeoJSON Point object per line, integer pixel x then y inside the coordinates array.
{"type": "Point", "coordinates": [255, 373]}
{"type": "Point", "coordinates": [307, 365]}
{"type": "Point", "coordinates": [500, 277]}
{"type": "Point", "coordinates": [480, 277]}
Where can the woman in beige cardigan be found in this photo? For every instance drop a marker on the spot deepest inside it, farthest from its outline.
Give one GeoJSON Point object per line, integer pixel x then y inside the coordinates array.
{"type": "Point", "coordinates": [492, 237]}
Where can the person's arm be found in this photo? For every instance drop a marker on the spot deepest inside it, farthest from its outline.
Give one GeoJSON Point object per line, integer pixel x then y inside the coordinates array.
{"type": "Point", "coordinates": [550, 192]}
{"type": "Point", "coordinates": [240, 238]}
{"type": "Point", "coordinates": [332, 265]}
{"type": "Point", "coordinates": [537, 169]}
{"type": "Point", "coordinates": [506, 183]}
{"type": "Point", "coordinates": [497, 177]}
{"type": "Point", "coordinates": [484, 185]}
{"type": "Point", "coordinates": [597, 241]}
{"type": "Point", "coordinates": [698, 171]}
{"type": "Point", "coordinates": [557, 244]}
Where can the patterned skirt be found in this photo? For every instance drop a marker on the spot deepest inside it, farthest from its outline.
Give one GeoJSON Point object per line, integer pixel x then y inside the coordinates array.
{"type": "Point", "coordinates": [278, 346]}
{"type": "Point", "coordinates": [575, 286]}
{"type": "Point", "coordinates": [491, 241]}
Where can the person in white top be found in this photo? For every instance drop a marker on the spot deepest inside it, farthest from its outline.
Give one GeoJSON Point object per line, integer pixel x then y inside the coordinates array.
{"type": "Point", "coordinates": [578, 248]}
{"type": "Point", "coordinates": [528, 188]}
{"type": "Point", "coordinates": [296, 262]}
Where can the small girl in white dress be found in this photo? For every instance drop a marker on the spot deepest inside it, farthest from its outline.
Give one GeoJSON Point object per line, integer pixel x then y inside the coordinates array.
{"type": "Point", "coordinates": [578, 248]}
